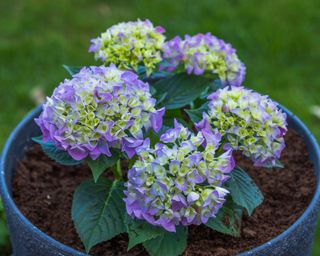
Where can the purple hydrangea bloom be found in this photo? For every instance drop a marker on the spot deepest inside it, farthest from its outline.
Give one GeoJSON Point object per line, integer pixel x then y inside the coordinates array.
{"type": "Point", "coordinates": [204, 53]}
{"type": "Point", "coordinates": [98, 109]}
{"type": "Point", "coordinates": [178, 181]}
{"type": "Point", "coordinates": [250, 122]}
{"type": "Point", "coordinates": [129, 44]}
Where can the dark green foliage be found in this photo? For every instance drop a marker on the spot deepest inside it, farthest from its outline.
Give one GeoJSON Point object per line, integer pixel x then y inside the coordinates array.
{"type": "Point", "coordinates": [56, 154]}
{"type": "Point", "coordinates": [228, 219]}
{"type": "Point", "coordinates": [101, 164]}
{"type": "Point", "coordinates": [180, 90]}
{"type": "Point", "coordinates": [243, 190]}
{"type": "Point", "coordinates": [168, 243]}
{"type": "Point", "coordinates": [141, 231]}
{"type": "Point", "coordinates": [98, 211]}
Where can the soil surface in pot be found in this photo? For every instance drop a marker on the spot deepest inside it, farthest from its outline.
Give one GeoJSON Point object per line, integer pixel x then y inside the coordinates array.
{"type": "Point", "coordinates": [43, 192]}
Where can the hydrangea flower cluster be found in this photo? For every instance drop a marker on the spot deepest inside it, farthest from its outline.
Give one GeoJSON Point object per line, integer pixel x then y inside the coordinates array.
{"type": "Point", "coordinates": [179, 180]}
{"type": "Point", "coordinates": [129, 44]}
{"type": "Point", "coordinates": [252, 123]}
{"type": "Point", "coordinates": [205, 53]}
{"type": "Point", "coordinates": [99, 108]}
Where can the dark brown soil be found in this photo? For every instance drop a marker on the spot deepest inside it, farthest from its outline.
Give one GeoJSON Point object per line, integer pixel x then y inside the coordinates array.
{"type": "Point", "coordinates": [43, 192]}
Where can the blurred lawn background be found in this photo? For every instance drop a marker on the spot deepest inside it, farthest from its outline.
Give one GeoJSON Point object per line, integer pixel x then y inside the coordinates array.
{"type": "Point", "coordinates": [279, 41]}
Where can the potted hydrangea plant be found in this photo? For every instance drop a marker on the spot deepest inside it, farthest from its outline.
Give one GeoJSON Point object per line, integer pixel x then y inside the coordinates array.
{"type": "Point", "coordinates": [159, 124]}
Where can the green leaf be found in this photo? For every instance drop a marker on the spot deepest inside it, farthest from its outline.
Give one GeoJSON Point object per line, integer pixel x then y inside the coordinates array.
{"type": "Point", "coordinates": [228, 219]}
{"type": "Point", "coordinates": [141, 231]}
{"type": "Point", "coordinates": [181, 89]}
{"type": "Point", "coordinates": [170, 115]}
{"type": "Point", "coordinates": [59, 155]}
{"type": "Point", "coordinates": [213, 86]}
{"type": "Point", "coordinates": [161, 98]}
{"type": "Point", "coordinates": [132, 161]}
{"type": "Point", "coordinates": [168, 243]}
{"type": "Point", "coordinates": [153, 90]}
{"type": "Point", "coordinates": [277, 164]}
{"type": "Point", "coordinates": [153, 136]}
{"type": "Point", "coordinates": [71, 70]}
{"type": "Point", "coordinates": [141, 70]}
{"type": "Point", "coordinates": [160, 75]}
{"type": "Point", "coordinates": [196, 115]}
{"type": "Point", "coordinates": [243, 190]}
{"type": "Point", "coordinates": [101, 164]}
{"type": "Point", "coordinates": [142, 73]}
{"type": "Point", "coordinates": [98, 211]}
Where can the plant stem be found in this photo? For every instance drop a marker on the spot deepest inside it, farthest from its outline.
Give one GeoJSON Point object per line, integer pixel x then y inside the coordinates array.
{"type": "Point", "coordinates": [117, 171]}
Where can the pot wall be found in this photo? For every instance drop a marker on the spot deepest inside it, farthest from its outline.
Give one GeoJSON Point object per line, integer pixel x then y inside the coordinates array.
{"type": "Point", "coordinates": [28, 240]}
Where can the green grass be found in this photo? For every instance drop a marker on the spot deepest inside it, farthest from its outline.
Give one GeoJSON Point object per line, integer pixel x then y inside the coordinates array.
{"type": "Point", "coordinates": [279, 41]}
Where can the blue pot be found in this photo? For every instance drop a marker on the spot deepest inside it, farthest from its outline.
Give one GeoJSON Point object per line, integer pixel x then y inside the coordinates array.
{"type": "Point", "coordinates": [28, 240]}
